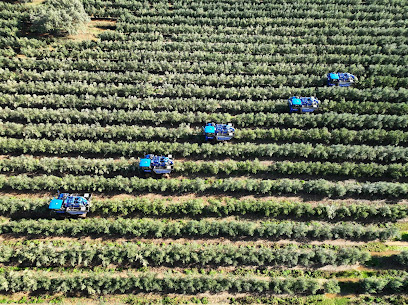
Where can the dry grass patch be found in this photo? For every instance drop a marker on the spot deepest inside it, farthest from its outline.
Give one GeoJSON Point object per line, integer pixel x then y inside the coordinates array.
{"type": "Point", "coordinates": [92, 30]}
{"type": "Point", "coordinates": [34, 2]}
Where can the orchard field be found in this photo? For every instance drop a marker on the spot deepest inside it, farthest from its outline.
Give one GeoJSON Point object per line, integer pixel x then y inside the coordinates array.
{"type": "Point", "coordinates": [296, 209]}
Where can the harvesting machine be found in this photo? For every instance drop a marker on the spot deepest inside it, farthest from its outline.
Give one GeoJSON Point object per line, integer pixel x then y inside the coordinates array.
{"type": "Point", "coordinates": [303, 104]}
{"type": "Point", "coordinates": [219, 132]}
{"type": "Point", "coordinates": [156, 164]}
{"type": "Point", "coordinates": [341, 79]}
{"type": "Point", "coordinates": [71, 204]}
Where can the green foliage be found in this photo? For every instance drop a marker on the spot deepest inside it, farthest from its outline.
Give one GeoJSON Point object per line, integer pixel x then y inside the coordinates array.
{"type": "Point", "coordinates": [403, 258]}
{"type": "Point", "coordinates": [59, 17]}
{"type": "Point", "coordinates": [319, 187]}
{"type": "Point", "coordinates": [129, 167]}
{"type": "Point", "coordinates": [203, 228]}
{"type": "Point", "coordinates": [382, 285]}
{"type": "Point", "coordinates": [50, 100]}
{"type": "Point", "coordinates": [185, 132]}
{"type": "Point", "coordinates": [175, 255]}
{"type": "Point", "coordinates": [107, 116]}
{"type": "Point", "coordinates": [321, 300]}
{"type": "Point", "coordinates": [99, 283]}
{"type": "Point", "coordinates": [339, 153]}
{"type": "Point", "coordinates": [19, 207]}
{"type": "Point", "coordinates": [149, 86]}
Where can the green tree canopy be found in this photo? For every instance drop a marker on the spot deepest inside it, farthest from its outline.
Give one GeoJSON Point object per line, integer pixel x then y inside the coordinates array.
{"type": "Point", "coordinates": [59, 17]}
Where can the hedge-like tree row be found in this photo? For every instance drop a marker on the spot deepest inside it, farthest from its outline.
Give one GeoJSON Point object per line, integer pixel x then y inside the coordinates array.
{"type": "Point", "coordinates": [282, 32]}
{"type": "Point", "coordinates": [383, 285]}
{"type": "Point", "coordinates": [55, 101]}
{"type": "Point", "coordinates": [319, 187]}
{"type": "Point", "coordinates": [356, 61]}
{"type": "Point", "coordinates": [212, 67]}
{"type": "Point", "coordinates": [109, 42]}
{"type": "Point", "coordinates": [192, 90]}
{"type": "Point", "coordinates": [130, 32]}
{"type": "Point", "coordinates": [286, 120]}
{"type": "Point", "coordinates": [346, 169]}
{"type": "Point", "coordinates": [52, 101]}
{"type": "Point", "coordinates": [403, 258]}
{"type": "Point", "coordinates": [267, 21]}
{"type": "Point", "coordinates": [186, 133]}
{"type": "Point", "coordinates": [335, 153]}
{"type": "Point", "coordinates": [234, 80]}
{"type": "Point", "coordinates": [21, 207]}
{"type": "Point", "coordinates": [253, 11]}
{"type": "Point", "coordinates": [319, 5]}
{"type": "Point", "coordinates": [133, 77]}
{"type": "Point", "coordinates": [129, 167]}
{"type": "Point", "coordinates": [108, 283]}
{"type": "Point", "coordinates": [266, 34]}
{"type": "Point", "coordinates": [156, 228]}
{"type": "Point", "coordinates": [190, 255]}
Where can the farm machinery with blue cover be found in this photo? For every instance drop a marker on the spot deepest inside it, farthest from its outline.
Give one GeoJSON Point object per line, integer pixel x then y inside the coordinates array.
{"type": "Point", "coordinates": [341, 79]}
{"type": "Point", "coordinates": [303, 104]}
{"type": "Point", "coordinates": [219, 132]}
{"type": "Point", "coordinates": [160, 165]}
{"type": "Point", "coordinates": [71, 204]}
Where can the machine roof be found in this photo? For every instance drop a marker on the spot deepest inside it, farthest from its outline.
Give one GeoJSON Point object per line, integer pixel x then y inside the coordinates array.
{"type": "Point", "coordinates": [145, 162]}
{"type": "Point", "coordinates": [334, 76]}
{"type": "Point", "coordinates": [296, 101]}
{"type": "Point", "coordinates": [55, 204]}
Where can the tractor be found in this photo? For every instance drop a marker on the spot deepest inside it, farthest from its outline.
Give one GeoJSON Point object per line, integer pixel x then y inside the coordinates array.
{"type": "Point", "coordinates": [156, 164]}
{"type": "Point", "coordinates": [71, 204]}
{"type": "Point", "coordinates": [303, 104]}
{"type": "Point", "coordinates": [341, 79]}
{"type": "Point", "coordinates": [219, 132]}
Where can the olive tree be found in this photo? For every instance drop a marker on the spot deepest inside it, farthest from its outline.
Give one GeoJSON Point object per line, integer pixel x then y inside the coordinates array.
{"type": "Point", "coordinates": [59, 17]}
